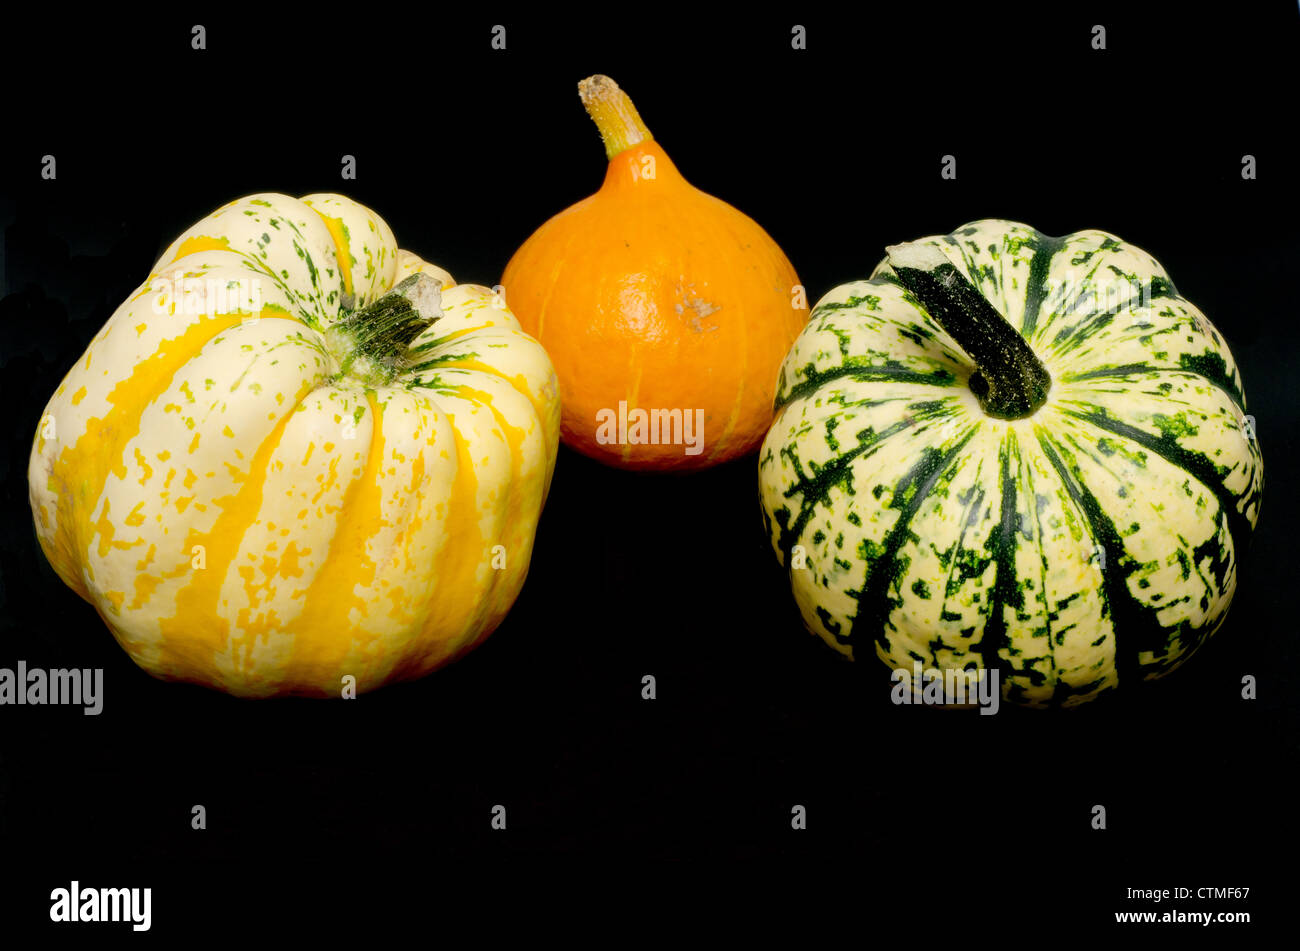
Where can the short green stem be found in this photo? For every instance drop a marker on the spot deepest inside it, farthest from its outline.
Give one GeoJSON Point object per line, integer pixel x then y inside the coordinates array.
{"type": "Point", "coordinates": [1009, 381]}
{"type": "Point", "coordinates": [373, 344]}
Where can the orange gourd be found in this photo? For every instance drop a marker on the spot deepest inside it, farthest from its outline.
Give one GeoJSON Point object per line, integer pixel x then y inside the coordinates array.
{"type": "Point", "coordinates": [666, 311]}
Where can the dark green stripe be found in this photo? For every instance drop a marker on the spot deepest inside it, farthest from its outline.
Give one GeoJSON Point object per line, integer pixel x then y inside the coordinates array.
{"type": "Point", "coordinates": [1006, 591]}
{"type": "Point", "coordinates": [1213, 371]}
{"type": "Point", "coordinates": [1069, 338]}
{"type": "Point", "coordinates": [1127, 615]}
{"type": "Point", "coordinates": [1061, 690]}
{"type": "Point", "coordinates": [1154, 289]}
{"type": "Point", "coordinates": [891, 372]}
{"type": "Point", "coordinates": [1124, 370]}
{"type": "Point", "coordinates": [1045, 247]}
{"type": "Point", "coordinates": [814, 489]}
{"type": "Point", "coordinates": [851, 303]}
{"type": "Point", "coordinates": [1195, 464]}
{"type": "Point", "coordinates": [1137, 627]}
{"type": "Point", "coordinates": [1214, 368]}
{"type": "Point", "coordinates": [874, 602]}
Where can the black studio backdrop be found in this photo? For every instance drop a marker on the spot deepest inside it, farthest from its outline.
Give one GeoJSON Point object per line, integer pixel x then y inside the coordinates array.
{"type": "Point", "coordinates": [319, 810]}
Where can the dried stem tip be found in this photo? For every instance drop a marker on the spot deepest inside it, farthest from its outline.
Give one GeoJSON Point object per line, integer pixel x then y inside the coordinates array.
{"type": "Point", "coordinates": [617, 119]}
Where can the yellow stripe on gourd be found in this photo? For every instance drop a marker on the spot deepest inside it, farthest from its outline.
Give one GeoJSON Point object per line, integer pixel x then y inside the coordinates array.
{"type": "Point", "coordinates": [332, 594]}
{"type": "Point", "coordinates": [412, 522]}
{"type": "Point", "coordinates": [519, 381]}
{"type": "Point", "coordinates": [200, 243]}
{"type": "Point", "coordinates": [78, 474]}
{"type": "Point", "coordinates": [454, 598]}
{"type": "Point", "coordinates": [344, 255]}
{"type": "Point", "coordinates": [511, 526]}
{"type": "Point", "coordinates": [198, 630]}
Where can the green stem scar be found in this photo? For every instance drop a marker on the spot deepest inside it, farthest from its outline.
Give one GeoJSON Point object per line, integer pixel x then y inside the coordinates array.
{"type": "Point", "coordinates": [1009, 381]}
{"type": "Point", "coordinates": [373, 344]}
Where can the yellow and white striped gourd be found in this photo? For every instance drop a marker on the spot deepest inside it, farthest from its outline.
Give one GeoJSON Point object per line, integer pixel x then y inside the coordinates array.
{"type": "Point", "coordinates": [271, 471]}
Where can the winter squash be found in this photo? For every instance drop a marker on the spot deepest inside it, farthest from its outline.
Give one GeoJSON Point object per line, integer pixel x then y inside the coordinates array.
{"type": "Point", "coordinates": [665, 310]}
{"type": "Point", "coordinates": [297, 454]}
{"type": "Point", "coordinates": [1007, 451]}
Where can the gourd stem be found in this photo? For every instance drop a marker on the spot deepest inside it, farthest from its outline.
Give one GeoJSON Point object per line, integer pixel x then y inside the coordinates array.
{"type": "Point", "coordinates": [610, 108]}
{"type": "Point", "coordinates": [373, 344]}
{"type": "Point", "coordinates": [1009, 380]}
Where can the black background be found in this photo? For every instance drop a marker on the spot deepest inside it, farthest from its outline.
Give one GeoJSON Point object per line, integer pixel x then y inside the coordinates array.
{"type": "Point", "coordinates": [376, 812]}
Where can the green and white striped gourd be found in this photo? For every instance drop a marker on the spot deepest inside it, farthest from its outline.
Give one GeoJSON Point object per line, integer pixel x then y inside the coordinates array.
{"type": "Point", "coordinates": [1016, 452]}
